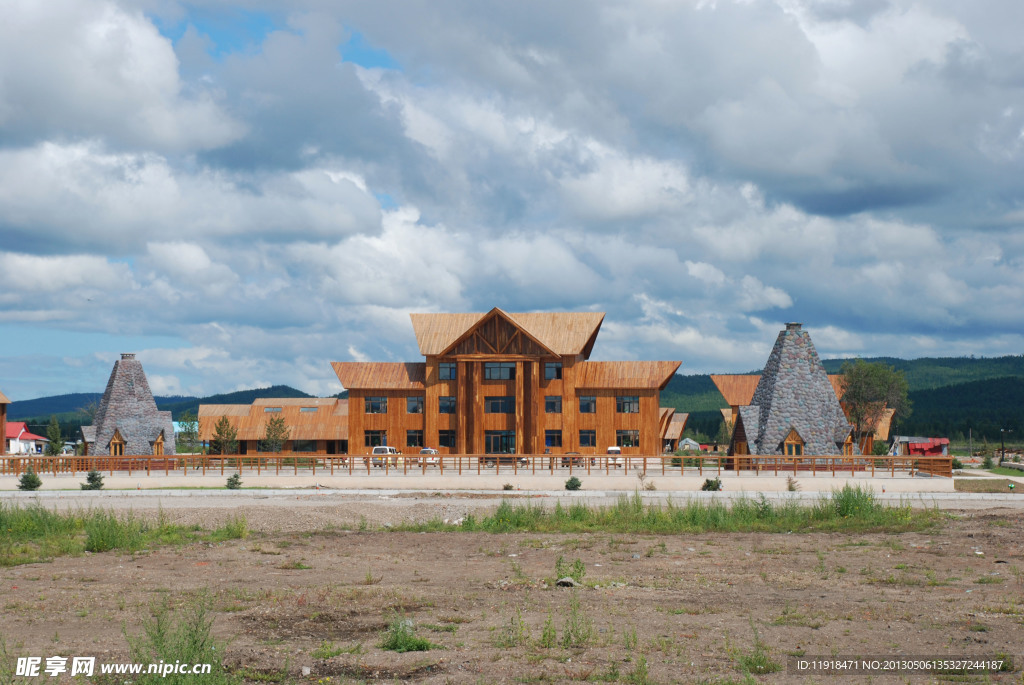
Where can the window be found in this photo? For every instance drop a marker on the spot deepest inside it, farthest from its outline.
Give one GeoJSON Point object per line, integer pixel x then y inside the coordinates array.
{"type": "Point", "coordinates": [553, 438]}
{"type": "Point", "coordinates": [446, 371]}
{"type": "Point", "coordinates": [588, 405]}
{"type": "Point", "coordinates": [446, 438]}
{"type": "Point", "coordinates": [627, 404]}
{"type": "Point", "coordinates": [304, 446]}
{"type": "Point", "coordinates": [272, 410]}
{"type": "Point", "coordinates": [552, 371]}
{"type": "Point", "coordinates": [553, 404]}
{"type": "Point", "coordinates": [794, 449]}
{"type": "Point", "coordinates": [499, 371]}
{"type": "Point", "coordinates": [588, 438]}
{"type": "Point", "coordinates": [627, 438]}
{"type": "Point", "coordinates": [158, 445]}
{"type": "Point", "coordinates": [446, 405]}
{"type": "Point", "coordinates": [376, 405]}
{"type": "Point", "coordinates": [414, 405]}
{"type": "Point", "coordinates": [500, 442]}
{"type": "Point", "coordinates": [414, 438]}
{"type": "Point", "coordinates": [500, 405]}
{"type": "Point", "coordinates": [307, 409]}
{"type": "Point", "coordinates": [117, 445]}
{"type": "Point", "coordinates": [374, 438]}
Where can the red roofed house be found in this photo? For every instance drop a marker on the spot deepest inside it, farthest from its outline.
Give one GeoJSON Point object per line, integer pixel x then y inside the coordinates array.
{"type": "Point", "coordinates": [18, 440]}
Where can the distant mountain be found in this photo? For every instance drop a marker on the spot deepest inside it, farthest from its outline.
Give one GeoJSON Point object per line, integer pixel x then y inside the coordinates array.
{"type": "Point", "coordinates": [70, 404]}
{"type": "Point", "coordinates": [936, 372]}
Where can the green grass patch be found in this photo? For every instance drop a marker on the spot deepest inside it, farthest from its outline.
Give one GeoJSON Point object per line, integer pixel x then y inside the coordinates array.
{"type": "Point", "coordinates": [32, 534]}
{"type": "Point", "coordinates": [851, 509]}
{"type": "Point", "coordinates": [400, 637]}
{"type": "Point", "coordinates": [1004, 471]}
{"type": "Point", "coordinates": [987, 485]}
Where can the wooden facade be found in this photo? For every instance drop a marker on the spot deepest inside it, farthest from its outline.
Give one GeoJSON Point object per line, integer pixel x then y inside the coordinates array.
{"type": "Point", "coordinates": [505, 383]}
{"type": "Point", "coordinates": [315, 424]}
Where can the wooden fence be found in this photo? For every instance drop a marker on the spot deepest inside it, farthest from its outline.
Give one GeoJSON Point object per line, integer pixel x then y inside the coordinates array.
{"type": "Point", "coordinates": [307, 463]}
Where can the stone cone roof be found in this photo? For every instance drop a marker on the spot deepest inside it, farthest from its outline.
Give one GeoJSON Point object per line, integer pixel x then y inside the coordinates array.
{"type": "Point", "coordinates": [128, 407]}
{"type": "Point", "coordinates": [794, 393]}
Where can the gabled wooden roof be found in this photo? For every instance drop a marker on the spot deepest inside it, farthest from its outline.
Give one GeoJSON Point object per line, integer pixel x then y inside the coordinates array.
{"type": "Point", "coordinates": [564, 333]}
{"type": "Point", "coordinates": [381, 375]}
{"type": "Point", "coordinates": [328, 422]}
{"type": "Point", "coordinates": [625, 375]}
{"type": "Point", "coordinates": [737, 389]}
{"type": "Point", "coordinates": [3, 399]}
{"type": "Point", "coordinates": [676, 426]}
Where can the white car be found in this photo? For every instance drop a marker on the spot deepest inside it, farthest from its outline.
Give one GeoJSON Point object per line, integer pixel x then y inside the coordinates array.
{"type": "Point", "coordinates": [429, 456]}
{"type": "Point", "coordinates": [614, 456]}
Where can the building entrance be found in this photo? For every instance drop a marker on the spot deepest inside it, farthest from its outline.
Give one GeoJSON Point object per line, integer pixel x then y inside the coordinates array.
{"type": "Point", "coordinates": [500, 442]}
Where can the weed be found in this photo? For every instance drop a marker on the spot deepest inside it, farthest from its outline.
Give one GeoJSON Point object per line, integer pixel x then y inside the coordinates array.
{"type": "Point", "coordinates": [370, 579]}
{"type": "Point", "coordinates": [639, 676]}
{"type": "Point", "coordinates": [630, 640]}
{"type": "Point", "coordinates": [758, 659]}
{"type": "Point", "coordinates": [400, 637]}
{"type": "Point", "coordinates": [989, 580]}
{"type": "Point", "coordinates": [328, 650]}
{"type": "Point", "coordinates": [578, 628]}
{"type": "Point", "coordinates": [577, 570]}
{"type": "Point", "coordinates": [189, 640]}
{"type": "Point", "coordinates": [508, 486]}
{"type": "Point", "coordinates": [294, 566]}
{"type": "Point", "coordinates": [105, 530]}
{"type": "Point", "coordinates": [548, 638]}
{"type": "Point", "coordinates": [514, 633]}
{"type": "Point", "coordinates": [791, 484]}
{"type": "Point", "coordinates": [235, 528]}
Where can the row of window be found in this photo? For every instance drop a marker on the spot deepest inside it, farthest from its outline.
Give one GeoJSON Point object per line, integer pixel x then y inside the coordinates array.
{"type": "Point", "coordinates": [624, 404]}
{"type": "Point", "coordinates": [446, 438]}
{"type": "Point", "coordinates": [499, 371]}
{"type": "Point", "coordinates": [277, 410]}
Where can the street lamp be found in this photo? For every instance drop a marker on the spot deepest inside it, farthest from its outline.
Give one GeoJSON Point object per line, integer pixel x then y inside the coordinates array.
{"type": "Point", "coordinates": [1002, 441]}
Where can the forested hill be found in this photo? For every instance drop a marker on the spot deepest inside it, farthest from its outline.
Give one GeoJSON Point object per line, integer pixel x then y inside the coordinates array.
{"type": "Point", "coordinates": [936, 372]}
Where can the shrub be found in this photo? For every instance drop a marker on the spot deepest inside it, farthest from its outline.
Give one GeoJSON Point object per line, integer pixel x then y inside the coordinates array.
{"type": "Point", "coordinates": [988, 463]}
{"type": "Point", "coordinates": [30, 481]}
{"type": "Point", "coordinates": [400, 637]}
{"type": "Point", "coordinates": [577, 570]}
{"type": "Point", "coordinates": [508, 486]}
{"type": "Point", "coordinates": [573, 483]}
{"type": "Point", "coordinates": [187, 640]}
{"type": "Point", "coordinates": [712, 484]}
{"type": "Point", "coordinates": [957, 464]}
{"type": "Point", "coordinates": [93, 481]}
{"type": "Point", "coordinates": [234, 482]}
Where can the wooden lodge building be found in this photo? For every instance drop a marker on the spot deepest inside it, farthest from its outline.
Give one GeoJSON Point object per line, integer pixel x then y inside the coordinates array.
{"type": "Point", "coordinates": [493, 383]}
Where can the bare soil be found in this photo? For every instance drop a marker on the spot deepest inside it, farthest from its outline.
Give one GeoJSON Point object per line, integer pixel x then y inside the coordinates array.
{"type": "Point", "coordinates": [682, 608]}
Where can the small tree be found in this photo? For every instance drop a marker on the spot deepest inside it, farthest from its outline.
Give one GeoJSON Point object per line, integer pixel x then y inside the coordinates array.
{"type": "Point", "coordinates": [93, 481]}
{"type": "Point", "coordinates": [276, 436]}
{"type": "Point", "coordinates": [225, 438]}
{"type": "Point", "coordinates": [56, 441]}
{"type": "Point", "coordinates": [29, 480]}
{"type": "Point", "coordinates": [870, 389]}
{"type": "Point", "coordinates": [234, 482]}
{"type": "Point", "coordinates": [724, 436]}
{"type": "Point", "coordinates": [187, 440]}
{"type": "Point", "coordinates": [573, 483]}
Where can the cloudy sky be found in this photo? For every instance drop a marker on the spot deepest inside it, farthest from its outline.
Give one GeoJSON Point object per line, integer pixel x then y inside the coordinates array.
{"type": "Point", "coordinates": [242, 192]}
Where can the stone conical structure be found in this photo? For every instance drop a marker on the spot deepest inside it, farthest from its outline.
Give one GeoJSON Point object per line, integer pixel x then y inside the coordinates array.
{"type": "Point", "coordinates": [794, 395]}
{"type": "Point", "coordinates": [129, 410]}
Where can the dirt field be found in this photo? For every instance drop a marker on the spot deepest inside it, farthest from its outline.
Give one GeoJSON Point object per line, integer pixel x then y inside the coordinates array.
{"type": "Point", "coordinates": [654, 609]}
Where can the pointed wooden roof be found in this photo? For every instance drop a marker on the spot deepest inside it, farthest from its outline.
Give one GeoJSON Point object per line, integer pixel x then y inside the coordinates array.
{"type": "Point", "coordinates": [381, 375]}
{"type": "Point", "coordinates": [563, 333]}
{"type": "Point", "coordinates": [737, 389]}
{"type": "Point", "coordinates": [3, 399]}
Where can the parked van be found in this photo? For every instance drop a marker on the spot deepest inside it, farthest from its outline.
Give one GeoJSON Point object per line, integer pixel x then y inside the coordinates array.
{"type": "Point", "coordinates": [382, 452]}
{"type": "Point", "coordinates": [614, 455]}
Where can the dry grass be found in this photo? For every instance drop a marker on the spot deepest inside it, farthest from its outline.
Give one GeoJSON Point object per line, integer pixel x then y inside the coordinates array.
{"type": "Point", "coordinates": [985, 485]}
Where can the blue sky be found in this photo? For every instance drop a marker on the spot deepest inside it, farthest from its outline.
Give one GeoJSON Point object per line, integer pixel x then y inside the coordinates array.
{"type": "Point", "coordinates": [242, 192]}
